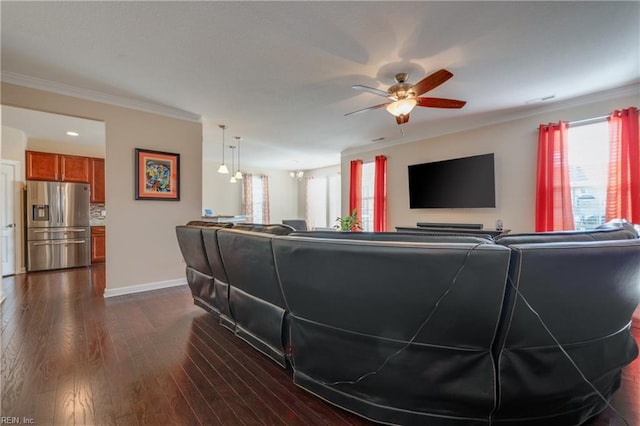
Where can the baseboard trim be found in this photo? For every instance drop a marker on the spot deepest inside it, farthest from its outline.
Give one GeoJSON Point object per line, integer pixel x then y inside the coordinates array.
{"type": "Point", "coordinates": [112, 292]}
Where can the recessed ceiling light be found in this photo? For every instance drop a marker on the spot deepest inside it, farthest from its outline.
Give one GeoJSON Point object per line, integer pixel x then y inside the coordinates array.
{"type": "Point", "coordinates": [70, 133]}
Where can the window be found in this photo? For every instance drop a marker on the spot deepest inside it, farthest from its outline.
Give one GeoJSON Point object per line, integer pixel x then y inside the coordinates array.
{"type": "Point", "coordinates": [255, 198]}
{"type": "Point", "coordinates": [588, 153]}
{"type": "Point", "coordinates": [323, 201]}
{"type": "Point", "coordinates": [368, 175]}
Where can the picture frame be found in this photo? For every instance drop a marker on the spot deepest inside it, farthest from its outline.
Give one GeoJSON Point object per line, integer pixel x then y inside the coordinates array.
{"type": "Point", "coordinates": [157, 175]}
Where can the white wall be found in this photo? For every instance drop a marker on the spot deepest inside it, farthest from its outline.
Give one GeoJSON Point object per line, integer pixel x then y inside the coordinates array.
{"type": "Point", "coordinates": [59, 147]}
{"type": "Point", "coordinates": [14, 143]}
{"type": "Point", "coordinates": [302, 188]}
{"type": "Point", "coordinates": [515, 146]}
{"type": "Point", "coordinates": [225, 198]}
{"type": "Point", "coordinates": [218, 195]}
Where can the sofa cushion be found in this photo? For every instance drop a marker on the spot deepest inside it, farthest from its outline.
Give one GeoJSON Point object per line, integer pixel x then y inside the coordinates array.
{"type": "Point", "coordinates": [210, 224]}
{"type": "Point", "coordinates": [397, 331]}
{"type": "Point", "coordinates": [565, 236]}
{"type": "Point", "coordinates": [424, 237]}
{"type": "Point", "coordinates": [220, 299]}
{"type": "Point", "coordinates": [255, 298]}
{"type": "Point", "coordinates": [275, 228]}
{"type": "Point", "coordinates": [580, 295]}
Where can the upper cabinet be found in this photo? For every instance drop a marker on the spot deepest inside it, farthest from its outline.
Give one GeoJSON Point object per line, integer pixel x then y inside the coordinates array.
{"type": "Point", "coordinates": [57, 167]}
{"type": "Point", "coordinates": [96, 179]}
{"type": "Point", "coordinates": [43, 166]}
{"type": "Point", "coordinates": [74, 168]}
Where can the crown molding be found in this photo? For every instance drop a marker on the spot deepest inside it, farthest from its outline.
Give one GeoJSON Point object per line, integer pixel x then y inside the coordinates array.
{"type": "Point", "coordinates": [65, 89]}
{"type": "Point", "coordinates": [492, 118]}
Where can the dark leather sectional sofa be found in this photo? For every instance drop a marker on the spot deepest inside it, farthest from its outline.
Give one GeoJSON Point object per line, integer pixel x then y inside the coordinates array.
{"type": "Point", "coordinates": [429, 329]}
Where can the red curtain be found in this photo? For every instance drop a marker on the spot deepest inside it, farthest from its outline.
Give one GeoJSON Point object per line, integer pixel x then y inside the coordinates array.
{"type": "Point", "coordinates": [355, 188]}
{"type": "Point", "coordinates": [553, 190]}
{"type": "Point", "coordinates": [380, 194]}
{"type": "Point", "coordinates": [623, 185]}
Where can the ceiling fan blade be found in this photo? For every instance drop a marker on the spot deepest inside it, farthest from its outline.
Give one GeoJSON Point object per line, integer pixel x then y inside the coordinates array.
{"type": "Point", "coordinates": [430, 82]}
{"type": "Point", "coordinates": [402, 118]}
{"type": "Point", "coordinates": [370, 90]}
{"type": "Point", "coordinates": [440, 103]}
{"type": "Point", "coordinates": [367, 109]}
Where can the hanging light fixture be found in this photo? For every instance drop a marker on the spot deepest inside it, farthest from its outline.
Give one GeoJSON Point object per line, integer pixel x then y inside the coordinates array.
{"type": "Point", "coordinates": [232, 179]}
{"type": "Point", "coordinates": [238, 174]}
{"type": "Point", "coordinates": [402, 106]}
{"type": "Point", "coordinates": [223, 167]}
{"type": "Point", "coordinates": [297, 174]}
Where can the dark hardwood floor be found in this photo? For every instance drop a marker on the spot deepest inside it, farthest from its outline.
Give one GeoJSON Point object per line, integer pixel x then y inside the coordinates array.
{"type": "Point", "coordinates": [70, 357]}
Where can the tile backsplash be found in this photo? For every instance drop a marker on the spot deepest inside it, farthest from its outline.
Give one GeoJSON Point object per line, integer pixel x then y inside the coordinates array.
{"type": "Point", "coordinates": [97, 218]}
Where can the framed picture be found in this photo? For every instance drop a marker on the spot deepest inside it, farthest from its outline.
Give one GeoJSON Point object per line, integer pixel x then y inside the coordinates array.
{"type": "Point", "coordinates": [157, 175]}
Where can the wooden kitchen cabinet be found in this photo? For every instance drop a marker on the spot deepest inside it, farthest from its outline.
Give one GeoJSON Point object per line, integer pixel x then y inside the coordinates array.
{"type": "Point", "coordinates": [57, 167]}
{"type": "Point", "coordinates": [42, 166]}
{"type": "Point", "coordinates": [74, 168]}
{"type": "Point", "coordinates": [96, 180]}
{"type": "Point", "coordinates": [98, 244]}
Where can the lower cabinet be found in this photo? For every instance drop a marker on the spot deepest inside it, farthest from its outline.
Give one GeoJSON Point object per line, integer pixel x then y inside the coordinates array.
{"type": "Point", "coordinates": [98, 239]}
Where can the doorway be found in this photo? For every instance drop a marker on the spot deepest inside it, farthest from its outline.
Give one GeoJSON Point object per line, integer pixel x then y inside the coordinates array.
{"type": "Point", "coordinates": [25, 129]}
{"type": "Point", "coordinates": [10, 211]}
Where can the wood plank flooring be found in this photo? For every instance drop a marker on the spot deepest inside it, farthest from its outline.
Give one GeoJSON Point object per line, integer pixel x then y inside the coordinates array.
{"type": "Point", "coordinates": [70, 357]}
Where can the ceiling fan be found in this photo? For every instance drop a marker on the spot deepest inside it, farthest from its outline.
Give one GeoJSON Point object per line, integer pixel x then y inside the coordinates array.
{"type": "Point", "coordinates": [403, 97]}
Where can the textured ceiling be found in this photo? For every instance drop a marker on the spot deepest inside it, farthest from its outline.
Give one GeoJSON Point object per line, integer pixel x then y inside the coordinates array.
{"type": "Point", "coordinates": [279, 74]}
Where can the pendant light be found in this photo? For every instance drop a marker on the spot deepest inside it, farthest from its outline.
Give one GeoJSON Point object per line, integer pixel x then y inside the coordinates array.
{"type": "Point", "coordinates": [232, 179]}
{"type": "Point", "coordinates": [238, 174]}
{"type": "Point", "coordinates": [223, 167]}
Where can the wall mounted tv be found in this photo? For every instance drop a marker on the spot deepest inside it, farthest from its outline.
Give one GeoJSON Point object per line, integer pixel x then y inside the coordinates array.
{"type": "Point", "coordinates": [457, 183]}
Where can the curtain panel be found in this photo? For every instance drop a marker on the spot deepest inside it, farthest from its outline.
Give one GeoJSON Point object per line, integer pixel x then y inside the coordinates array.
{"type": "Point", "coordinates": [247, 195]}
{"type": "Point", "coordinates": [266, 211]}
{"type": "Point", "coordinates": [355, 188]}
{"type": "Point", "coordinates": [553, 190]}
{"type": "Point", "coordinates": [380, 194]}
{"type": "Point", "coordinates": [623, 184]}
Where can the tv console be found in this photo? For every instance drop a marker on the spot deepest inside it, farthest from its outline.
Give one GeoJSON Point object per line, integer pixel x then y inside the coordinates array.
{"type": "Point", "coordinates": [449, 225]}
{"type": "Point", "coordinates": [474, 231]}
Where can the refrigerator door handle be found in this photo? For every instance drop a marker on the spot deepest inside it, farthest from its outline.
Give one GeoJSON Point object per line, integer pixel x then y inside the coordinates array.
{"type": "Point", "coordinates": [50, 231]}
{"type": "Point", "coordinates": [60, 242]}
{"type": "Point", "coordinates": [62, 201]}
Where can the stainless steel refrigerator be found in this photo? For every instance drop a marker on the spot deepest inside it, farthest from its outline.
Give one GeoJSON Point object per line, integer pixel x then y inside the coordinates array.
{"type": "Point", "coordinates": [58, 231]}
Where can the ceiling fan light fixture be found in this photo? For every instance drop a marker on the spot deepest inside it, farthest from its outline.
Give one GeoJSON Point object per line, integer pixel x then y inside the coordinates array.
{"type": "Point", "coordinates": [402, 106]}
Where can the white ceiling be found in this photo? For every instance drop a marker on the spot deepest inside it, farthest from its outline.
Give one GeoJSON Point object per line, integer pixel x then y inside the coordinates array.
{"type": "Point", "coordinates": [279, 74]}
{"type": "Point", "coordinates": [53, 127]}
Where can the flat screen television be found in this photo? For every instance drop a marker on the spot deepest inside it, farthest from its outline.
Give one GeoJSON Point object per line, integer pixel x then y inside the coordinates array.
{"type": "Point", "coordinates": [457, 183]}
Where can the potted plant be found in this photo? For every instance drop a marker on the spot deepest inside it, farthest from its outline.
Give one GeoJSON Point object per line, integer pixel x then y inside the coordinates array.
{"type": "Point", "coordinates": [349, 223]}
